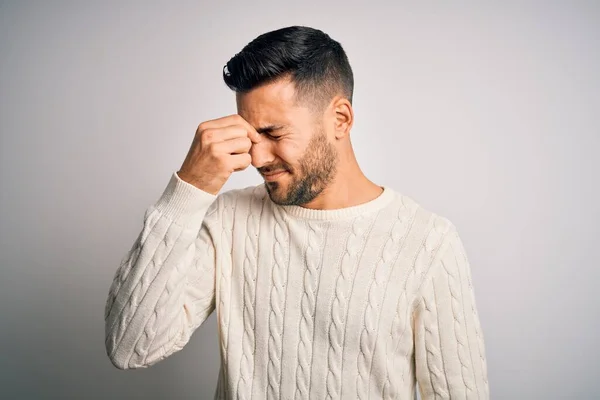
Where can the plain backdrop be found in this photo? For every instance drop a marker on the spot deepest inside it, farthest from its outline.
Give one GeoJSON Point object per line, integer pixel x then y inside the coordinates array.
{"type": "Point", "coordinates": [486, 114]}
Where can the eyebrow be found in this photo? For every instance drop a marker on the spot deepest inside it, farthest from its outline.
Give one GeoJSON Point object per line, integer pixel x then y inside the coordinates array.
{"type": "Point", "coordinates": [269, 128]}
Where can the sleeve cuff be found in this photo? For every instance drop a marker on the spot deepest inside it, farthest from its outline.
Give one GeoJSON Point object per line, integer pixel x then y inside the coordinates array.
{"type": "Point", "coordinates": [182, 200]}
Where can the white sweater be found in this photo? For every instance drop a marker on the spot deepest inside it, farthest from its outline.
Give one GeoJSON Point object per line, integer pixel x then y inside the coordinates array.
{"type": "Point", "coordinates": [356, 303]}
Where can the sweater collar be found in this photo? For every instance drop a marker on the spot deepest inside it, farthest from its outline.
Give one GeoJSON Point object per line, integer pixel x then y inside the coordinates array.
{"type": "Point", "coordinates": [341, 213]}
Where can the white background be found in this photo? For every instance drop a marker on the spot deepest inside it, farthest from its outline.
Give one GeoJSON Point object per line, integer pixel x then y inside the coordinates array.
{"type": "Point", "coordinates": [485, 114]}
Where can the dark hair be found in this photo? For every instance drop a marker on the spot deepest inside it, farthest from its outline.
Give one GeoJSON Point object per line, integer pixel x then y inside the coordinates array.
{"type": "Point", "coordinates": [316, 63]}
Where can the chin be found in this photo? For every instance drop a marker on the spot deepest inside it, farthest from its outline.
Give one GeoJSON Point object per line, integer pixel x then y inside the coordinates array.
{"type": "Point", "coordinates": [276, 192]}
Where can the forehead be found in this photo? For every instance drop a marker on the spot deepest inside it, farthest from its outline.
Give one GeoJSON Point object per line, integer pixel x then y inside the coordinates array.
{"type": "Point", "coordinates": [268, 104]}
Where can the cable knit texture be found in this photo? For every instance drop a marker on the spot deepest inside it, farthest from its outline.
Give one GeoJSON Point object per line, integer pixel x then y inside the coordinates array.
{"type": "Point", "coordinates": [363, 302]}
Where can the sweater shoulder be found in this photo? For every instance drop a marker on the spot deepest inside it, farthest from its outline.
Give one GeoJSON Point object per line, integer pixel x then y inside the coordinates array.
{"type": "Point", "coordinates": [427, 226]}
{"type": "Point", "coordinates": [233, 198]}
{"type": "Point", "coordinates": [433, 230]}
{"type": "Point", "coordinates": [425, 217]}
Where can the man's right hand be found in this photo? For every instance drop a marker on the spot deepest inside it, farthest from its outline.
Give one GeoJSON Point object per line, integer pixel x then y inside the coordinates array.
{"type": "Point", "coordinates": [220, 147]}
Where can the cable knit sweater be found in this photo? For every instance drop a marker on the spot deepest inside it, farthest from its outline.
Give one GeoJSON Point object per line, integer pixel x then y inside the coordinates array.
{"type": "Point", "coordinates": [361, 302]}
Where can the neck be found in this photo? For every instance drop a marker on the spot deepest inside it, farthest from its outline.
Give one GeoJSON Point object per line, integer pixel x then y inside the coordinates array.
{"type": "Point", "coordinates": [350, 187]}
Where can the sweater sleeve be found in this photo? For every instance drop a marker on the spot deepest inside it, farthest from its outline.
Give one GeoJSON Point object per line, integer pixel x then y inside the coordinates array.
{"type": "Point", "coordinates": [449, 349]}
{"type": "Point", "coordinates": [164, 287]}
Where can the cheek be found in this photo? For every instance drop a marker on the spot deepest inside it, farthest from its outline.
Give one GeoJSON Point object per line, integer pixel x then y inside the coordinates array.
{"type": "Point", "coordinates": [289, 153]}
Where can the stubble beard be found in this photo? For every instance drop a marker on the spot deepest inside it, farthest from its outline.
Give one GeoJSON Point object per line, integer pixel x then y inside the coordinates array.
{"type": "Point", "coordinates": [317, 168]}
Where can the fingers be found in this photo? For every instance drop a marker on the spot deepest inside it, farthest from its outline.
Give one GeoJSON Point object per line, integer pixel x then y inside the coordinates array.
{"type": "Point", "coordinates": [252, 134]}
{"type": "Point", "coordinates": [223, 121]}
{"type": "Point", "coordinates": [222, 134]}
{"type": "Point", "coordinates": [240, 161]}
{"type": "Point", "coordinates": [236, 145]}
{"type": "Point", "coordinates": [232, 120]}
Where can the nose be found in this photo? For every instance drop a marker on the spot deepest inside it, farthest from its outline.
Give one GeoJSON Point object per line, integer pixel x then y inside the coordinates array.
{"type": "Point", "coordinates": [261, 153]}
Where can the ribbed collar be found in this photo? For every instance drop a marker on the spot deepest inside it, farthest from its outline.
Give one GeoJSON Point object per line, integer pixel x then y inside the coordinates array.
{"type": "Point", "coordinates": [341, 213]}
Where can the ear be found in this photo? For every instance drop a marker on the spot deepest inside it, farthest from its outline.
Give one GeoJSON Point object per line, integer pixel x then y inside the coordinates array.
{"type": "Point", "coordinates": [343, 117]}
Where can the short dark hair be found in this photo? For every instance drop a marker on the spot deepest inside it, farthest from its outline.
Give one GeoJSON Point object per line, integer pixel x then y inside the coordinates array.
{"type": "Point", "coordinates": [316, 63]}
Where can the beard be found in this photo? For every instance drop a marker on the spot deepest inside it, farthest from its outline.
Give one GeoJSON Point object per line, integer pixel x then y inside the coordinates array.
{"type": "Point", "coordinates": [316, 170]}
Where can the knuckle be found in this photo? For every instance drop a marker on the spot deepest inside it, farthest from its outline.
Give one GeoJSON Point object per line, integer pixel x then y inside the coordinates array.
{"type": "Point", "coordinates": [207, 136]}
{"type": "Point", "coordinates": [213, 150]}
{"type": "Point", "coordinates": [202, 126]}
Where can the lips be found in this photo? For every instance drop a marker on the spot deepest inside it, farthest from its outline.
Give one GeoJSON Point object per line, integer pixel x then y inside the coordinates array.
{"type": "Point", "coordinates": [273, 175]}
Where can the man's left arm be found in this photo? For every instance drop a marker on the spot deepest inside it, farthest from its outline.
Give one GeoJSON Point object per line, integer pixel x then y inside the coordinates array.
{"type": "Point", "coordinates": [449, 347]}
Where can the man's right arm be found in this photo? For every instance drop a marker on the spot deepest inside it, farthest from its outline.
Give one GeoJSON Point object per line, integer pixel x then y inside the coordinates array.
{"type": "Point", "coordinates": [164, 288]}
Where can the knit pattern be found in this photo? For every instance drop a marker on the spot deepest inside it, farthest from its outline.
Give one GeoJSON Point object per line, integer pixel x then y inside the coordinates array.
{"type": "Point", "coordinates": [399, 323]}
{"type": "Point", "coordinates": [359, 302]}
{"type": "Point", "coordinates": [377, 291]}
{"type": "Point", "coordinates": [167, 313]}
{"type": "Point", "coordinates": [121, 276]}
{"type": "Point", "coordinates": [159, 338]}
{"type": "Point", "coordinates": [122, 273]}
{"type": "Point", "coordinates": [485, 392]}
{"type": "Point", "coordinates": [339, 306]}
{"type": "Point", "coordinates": [225, 279]}
{"type": "Point", "coordinates": [277, 304]}
{"type": "Point", "coordinates": [458, 250]}
{"type": "Point", "coordinates": [401, 320]}
{"type": "Point", "coordinates": [312, 259]}
{"type": "Point", "coordinates": [432, 346]}
{"type": "Point", "coordinates": [158, 253]}
{"type": "Point", "coordinates": [461, 339]}
{"type": "Point", "coordinates": [244, 385]}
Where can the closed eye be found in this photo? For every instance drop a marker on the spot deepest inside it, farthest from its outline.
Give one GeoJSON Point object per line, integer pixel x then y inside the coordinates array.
{"type": "Point", "coordinates": [273, 137]}
{"type": "Point", "coordinates": [268, 130]}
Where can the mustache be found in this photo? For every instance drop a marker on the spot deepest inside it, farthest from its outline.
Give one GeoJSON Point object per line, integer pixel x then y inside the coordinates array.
{"type": "Point", "coordinates": [269, 169]}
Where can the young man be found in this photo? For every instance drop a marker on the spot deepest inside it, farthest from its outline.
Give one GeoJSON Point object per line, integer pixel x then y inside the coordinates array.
{"type": "Point", "coordinates": [325, 284]}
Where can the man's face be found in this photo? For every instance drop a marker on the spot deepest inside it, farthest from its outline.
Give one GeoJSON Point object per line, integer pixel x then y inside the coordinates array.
{"type": "Point", "coordinates": [295, 157]}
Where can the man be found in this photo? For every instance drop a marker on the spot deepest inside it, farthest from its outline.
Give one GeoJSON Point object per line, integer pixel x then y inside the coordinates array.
{"type": "Point", "coordinates": [325, 284]}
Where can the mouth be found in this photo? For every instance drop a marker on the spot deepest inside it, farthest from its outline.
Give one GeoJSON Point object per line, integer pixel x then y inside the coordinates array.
{"type": "Point", "coordinates": [273, 176]}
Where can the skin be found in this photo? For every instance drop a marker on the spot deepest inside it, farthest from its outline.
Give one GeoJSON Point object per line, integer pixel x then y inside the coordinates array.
{"type": "Point", "coordinates": [312, 147]}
